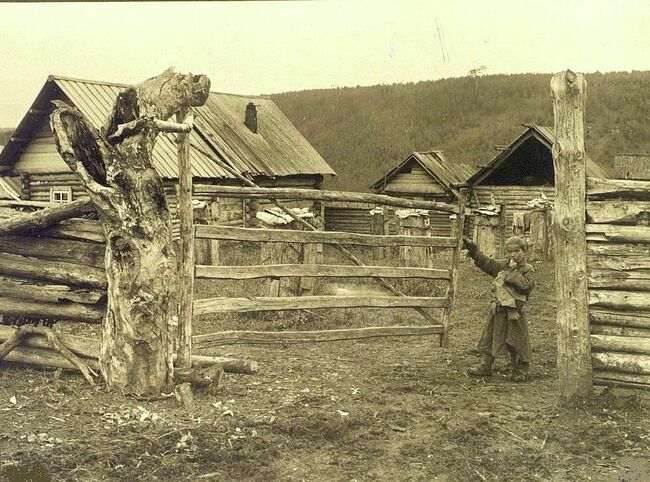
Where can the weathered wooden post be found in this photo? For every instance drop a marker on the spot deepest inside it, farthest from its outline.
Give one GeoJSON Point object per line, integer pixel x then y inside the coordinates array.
{"type": "Point", "coordinates": [502, 230]}
{"type": "Point", "coordinates": [574, 346]}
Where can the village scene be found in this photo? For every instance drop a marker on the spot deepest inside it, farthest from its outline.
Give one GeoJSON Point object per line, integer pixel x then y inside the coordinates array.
{"type": "Point", "coordinates": [311, 257]}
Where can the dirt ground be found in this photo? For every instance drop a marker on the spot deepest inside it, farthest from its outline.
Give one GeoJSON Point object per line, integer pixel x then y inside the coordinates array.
{"type": "Point", "coordinates": [383, 409]}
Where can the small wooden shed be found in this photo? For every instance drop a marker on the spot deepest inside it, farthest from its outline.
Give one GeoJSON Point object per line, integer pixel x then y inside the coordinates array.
{"type": "Point", "coordinates": [249, 134]}
{"type": "Point", "coordinates": [427, 176]}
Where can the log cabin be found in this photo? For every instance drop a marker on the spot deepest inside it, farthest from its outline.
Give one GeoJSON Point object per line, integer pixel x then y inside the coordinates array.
{"type": "Point", "coordinates": [247, 133]}
{"type": "Point", "coordinates": [522, 171]}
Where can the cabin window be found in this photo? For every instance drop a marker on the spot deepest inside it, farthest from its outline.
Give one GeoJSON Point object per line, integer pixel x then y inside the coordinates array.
{"type": "Point", "coordinates": [60, 195]}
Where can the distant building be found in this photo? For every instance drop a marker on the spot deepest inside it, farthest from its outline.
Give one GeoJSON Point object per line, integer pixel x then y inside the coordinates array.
{"type": "Point", "coordinates": [250, 134]}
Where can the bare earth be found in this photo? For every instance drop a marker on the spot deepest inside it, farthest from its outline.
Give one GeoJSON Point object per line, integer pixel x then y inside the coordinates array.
{"type": "Point", "coordinates": [383, 409]}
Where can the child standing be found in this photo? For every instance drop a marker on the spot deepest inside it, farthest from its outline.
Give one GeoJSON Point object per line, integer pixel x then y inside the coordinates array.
{"type": "Point", "coordinates": [505, 327]}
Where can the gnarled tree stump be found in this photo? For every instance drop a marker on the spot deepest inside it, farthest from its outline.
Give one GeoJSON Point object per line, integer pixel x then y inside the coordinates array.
{"type": "Point", "coordinates": [116, 169]}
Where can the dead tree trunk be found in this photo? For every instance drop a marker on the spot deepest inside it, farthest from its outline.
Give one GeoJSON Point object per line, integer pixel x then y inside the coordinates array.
{"type": "Point", "coordinates": [116, 169]}
{"type": "Point", "coordinates": [574, 348]}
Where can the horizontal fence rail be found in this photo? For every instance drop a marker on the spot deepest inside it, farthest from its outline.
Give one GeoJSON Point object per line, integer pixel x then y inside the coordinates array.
{"type": "Point", "coordinates": [324, 237]}
{"type": "Point", "coordinates": [320, 270]}
{"type": "Point", "coordinates": [225, 305]}
{"type": "Point", "coordinates": [318, 195]}
{"type": "Point", "coordinates": [285, 337]}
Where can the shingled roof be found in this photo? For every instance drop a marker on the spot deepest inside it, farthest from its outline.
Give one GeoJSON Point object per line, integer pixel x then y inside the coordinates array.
{"type": "Point", "coordinates": [277, 149]}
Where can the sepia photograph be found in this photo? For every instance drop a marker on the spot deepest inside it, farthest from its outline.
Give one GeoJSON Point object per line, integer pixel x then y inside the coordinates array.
{"type": "Point", "coordinates": [325, 240]}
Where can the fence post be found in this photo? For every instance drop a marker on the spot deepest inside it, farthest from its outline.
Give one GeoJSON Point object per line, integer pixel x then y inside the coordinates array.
{"type": "Point", "coordinates": [574, 344]}
{"type": "Point", "coordinates": [186, 216]}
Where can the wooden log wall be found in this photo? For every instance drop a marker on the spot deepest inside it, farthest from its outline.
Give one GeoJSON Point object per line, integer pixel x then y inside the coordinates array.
{"type": "Point", "coordinates": [618, 268]}
{"type": "Point", "coordinates": [55, 274]}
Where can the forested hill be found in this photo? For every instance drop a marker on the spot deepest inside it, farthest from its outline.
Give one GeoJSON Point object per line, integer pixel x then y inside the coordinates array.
{"type": "Point", "coordinates": [362, 132]}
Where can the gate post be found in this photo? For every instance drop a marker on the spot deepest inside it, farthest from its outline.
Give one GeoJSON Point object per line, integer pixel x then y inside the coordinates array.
{"type": "Point", "coordinates": [574, 344]}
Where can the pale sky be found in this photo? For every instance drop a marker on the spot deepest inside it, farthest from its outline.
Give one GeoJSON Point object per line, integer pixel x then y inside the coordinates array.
{"type": "Point", "coordinates": [270, 47]}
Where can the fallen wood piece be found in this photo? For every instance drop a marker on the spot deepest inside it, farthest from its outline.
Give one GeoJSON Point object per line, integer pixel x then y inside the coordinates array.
{"type": "Point", "coordinates": [206, 377]}
{"type": "Point", "coordinates": [282, 337]}
{"type": "Point", "coordinates": [46, 217]}
{"type": "Point", "coordinates": [44, 358]}
{"type": "Point", "coordinates": [29, 331]}
{"type": "Point", "coordinates": [67, 250]}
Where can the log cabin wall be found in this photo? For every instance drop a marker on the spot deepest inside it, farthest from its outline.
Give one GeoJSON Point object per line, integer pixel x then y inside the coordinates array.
{"type": "Point", "coordinates": [618, 268]}
{"type": "Point", "coordinates": [56, 274]}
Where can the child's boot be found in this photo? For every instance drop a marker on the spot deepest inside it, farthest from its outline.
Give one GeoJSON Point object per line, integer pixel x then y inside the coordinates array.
{"type": "Point", "coordinates": [484, 369]}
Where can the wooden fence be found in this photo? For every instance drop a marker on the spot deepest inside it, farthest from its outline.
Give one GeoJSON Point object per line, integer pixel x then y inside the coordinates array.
{"type": "Point", "coordinates": [618, 267]}
{"type": "Point", "coordinates": [447, 274]}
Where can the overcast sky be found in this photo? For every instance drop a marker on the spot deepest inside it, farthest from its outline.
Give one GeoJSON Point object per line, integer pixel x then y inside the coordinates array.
{"type": "Point", "coordinates": [269, 47]}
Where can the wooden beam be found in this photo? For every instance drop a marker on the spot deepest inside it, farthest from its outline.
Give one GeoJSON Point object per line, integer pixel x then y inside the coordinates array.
{"type": "Point", "coordinates": [79, 345]}
{"type": "Point", "coordinates": [623, 300]}
{"type": "Point", "coordinates": [44, 218]}
{"type": "Point", "coordinates": [186, 215]}
{"type": "Point", "coordinates": [623, 344]}
{"type": "Point", "coordinates": [613, 330]}
{"type": "Point", "coordinates": [320, 195]}
{"type": "Point", "coordinates": [319, 270]}
{"type": "Point", "coordinates": [24, 289]}
{"type": "Point", "coordinates": [81, 229]}
{"type": "Point", "coordinates": [54, 271]}
{"type": "Point", "coordinates": [225, 305]}
{"type": "Point", "coordinates": [574, 347]}
{"type": "Point", "coordinates": [617, 280]}
{"type": "Point", "coordinates": [60, 311]}
{"type": "Point", "coordinates": [617, 188]}
{"type": "Point", "coordinates": [623, 380]}
{"type": "Point", "coordinates": [67, 250]}
{"type": "Point", "coordinates": [325, 237]}
{"type": "Point", "coordinates": [618, 234]}
{"type": "Point", "coordinates": [622, 362]}
{"type": "Point", "coordinates": [618, 212]}
{"type": "Point", "coordinates": [315, 336]}
{"type": "Point", "coordinates": [621, 318]}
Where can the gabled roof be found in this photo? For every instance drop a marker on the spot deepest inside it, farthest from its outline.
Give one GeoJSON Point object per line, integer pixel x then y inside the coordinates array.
{"type": "Point", "coordinates": [278, 149]}
{"type": "Point", "coordinates": [436, 165]}
{"type": "Point", "coordinates": [546, 135]}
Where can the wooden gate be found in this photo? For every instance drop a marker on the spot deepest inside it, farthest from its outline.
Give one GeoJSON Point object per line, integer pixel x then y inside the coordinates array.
{"type": "Point", "coordinates": [433, 325]}
{"type": "Point", "coordinates": [618, 266]}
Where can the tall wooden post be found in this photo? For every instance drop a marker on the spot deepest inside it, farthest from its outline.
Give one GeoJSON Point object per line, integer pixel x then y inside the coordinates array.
{"type": "Point", "coordinates": [502, 230]}
{"type": "Point", "coordinates": [186, 214]}
{"type": "Point", "coordinates": [574, 346]}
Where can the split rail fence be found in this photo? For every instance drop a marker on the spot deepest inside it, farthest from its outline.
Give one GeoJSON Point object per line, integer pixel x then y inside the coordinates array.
{"type": "Point", "coordinates": [618, 267]}
{"type": "Point", "coordinates": [383, 274]}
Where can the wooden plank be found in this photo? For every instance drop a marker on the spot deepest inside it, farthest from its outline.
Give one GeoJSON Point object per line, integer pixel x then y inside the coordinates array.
{"type": "Point", "coordinates": [619, 234]}
{"type": "Point", "coordinates": [16, 288]}
{"type": "Point", "coordinates": [618, 212]}
{"type": "Point", "coordinates": [53, 271]}
{"type": "Point", "coordinates": [624, 344]}
{"type": "Point", "coordinates": [605, 249]}
{"type": "Point", "coordinates": [319, 270]}
{"type": "Point", "coordinates": [80, 345]}
{"type": "Point", "coordinates": [624, 300]}
{"type": "Point", "coordinates": [71, 251]}
{"type": "Point", "coordinates": [320, 195]}
{"type": "Point", "coordinates": [621, 362]}
{"type": "Point", "coordinates": [315, 336]}
{"type": "Point", "coordinates": [224, 305]}
{"type": "Point", "coordinates": [60, 311]}
{"type": "Point", "coordinates": [624, 263]}
{"type": "Point", "coordinates": [620, 318]}
{"type": "Point", "coordinates": [325, 237]}
{"type": "Point", "coordinates": [602, 188]}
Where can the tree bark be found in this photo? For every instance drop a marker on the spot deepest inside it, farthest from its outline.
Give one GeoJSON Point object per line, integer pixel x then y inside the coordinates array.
{"type": "Point", "coordinates": [116, 169]}
{"type": "Point", "coordinates": [574, 346]}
